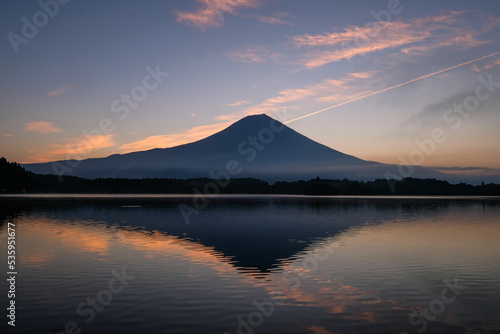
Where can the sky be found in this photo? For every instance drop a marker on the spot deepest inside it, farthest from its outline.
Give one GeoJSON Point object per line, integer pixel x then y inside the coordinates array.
{"type": "Point", "coordinates": [389, 81]}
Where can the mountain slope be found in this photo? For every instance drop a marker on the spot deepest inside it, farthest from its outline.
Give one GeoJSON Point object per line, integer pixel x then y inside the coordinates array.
{"type": "Point", "coordinates": [255, 146]}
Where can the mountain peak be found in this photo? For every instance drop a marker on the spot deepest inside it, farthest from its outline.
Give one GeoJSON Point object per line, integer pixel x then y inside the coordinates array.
{"type": "Point", "coordinates": [252, 125]}
{"type": "Point", "coordinates": [255, 116]}
{"type": "Point", "coordinates": [255, 119]}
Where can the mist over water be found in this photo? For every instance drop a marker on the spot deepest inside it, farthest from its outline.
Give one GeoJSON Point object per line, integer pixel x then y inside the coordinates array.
{"type": "Point", "coordinates": [255, 264]}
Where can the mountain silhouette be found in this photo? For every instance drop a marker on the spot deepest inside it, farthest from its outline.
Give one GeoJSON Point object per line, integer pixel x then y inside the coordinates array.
{"type": "Point", "coordinates": [256, 146]}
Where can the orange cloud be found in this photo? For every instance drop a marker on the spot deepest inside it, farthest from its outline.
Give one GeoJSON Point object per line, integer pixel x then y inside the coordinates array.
{"type": "Point", "coordinates": [60, 90]}
{"type": "Point", "coordinates": [210, 13]}
{"type": "Point", "coordinates": [363, 75]}
{"type": "Point", "coordinates": [163, 141]}
{"type": "Point", "coordinates": [41, 127]}
{"type": "Point", "coordinates": [77, 148]}
{"type": "Point", "coordinates": [360, 35]}
{"type": "Point", "coordinates": [436, 31]}
{"type": "Point", "coordinates": [356, 41]}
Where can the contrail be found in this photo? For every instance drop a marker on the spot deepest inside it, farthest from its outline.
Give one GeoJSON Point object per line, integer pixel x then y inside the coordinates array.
{"type": "Point", "coordinates": [392, 87]}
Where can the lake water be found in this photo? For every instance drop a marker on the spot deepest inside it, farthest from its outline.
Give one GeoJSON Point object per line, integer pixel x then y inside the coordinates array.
{"type": "Point", "coordinates": [253, 264]}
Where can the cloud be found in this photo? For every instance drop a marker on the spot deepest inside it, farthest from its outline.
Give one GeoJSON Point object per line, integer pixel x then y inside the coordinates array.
{"type": "Point", "coordinates": [351, 88]}
{"type": "Point", "coordinates": [354, 41]}
{"type": "Point", "coordinates": [8, 135]}
{"type": "Point", "coordinates": [78, 148]}
{"type": "Point", "coordinates": [329, 90]}
{"type": "Point", "coordinates": [277, 18]}
{"type": "Point", "coordinates": [363, 75]}
{"type": "Point", "coordinates": [417, 36]}
{"type": "Point", "coordinates": [210, 13]}
{"type": "Point", "coordinates": [489, 65]}
{"type": "Point", "coordinates": [467, 170]}
{"type": "Point", "coordinates": [239, 103]}
{"type": "Point", "coordinates": [163, 141]}
{"type": "Point", "coordinates": [250, 55]}
{"type": "Point", "coordinates": [193, 114]}
{"type": "Point", "coordinates": [386, 34]}
{"type": "Point", "coordinates": [41, 127]}
{"type": "Point", "coordinates": [464, 168]}
{"type": "Point", "coordinates": [435, 31]}
{"type": "Point", "coordinates": [254, 54]}
{"type": "Point", "coordinates": [60, 90]}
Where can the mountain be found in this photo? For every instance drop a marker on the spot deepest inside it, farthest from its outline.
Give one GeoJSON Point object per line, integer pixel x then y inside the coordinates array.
{"type": "Point", "coordinates": [255, 146]}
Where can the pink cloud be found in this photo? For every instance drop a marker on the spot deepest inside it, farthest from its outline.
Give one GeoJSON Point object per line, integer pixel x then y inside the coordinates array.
{"type": "Point", "coordinates": [356, 41]}
{"type": "Point", "coordinates": [435, 31]}
{"type": "Point", "coordinates": [246, 56]}
{"type": "Point", "coordinates": [363, 75]}
{"type": "Point", "coordinates": [41, 127]}
{"type": "Point", "coordinates": [329, 90]}
{"type": "Point", "coordinates": [210, 13]}
{"type": "Point", "coordinates": [491, 23]}
{"type": "Point", "coordinates": [239, 103]}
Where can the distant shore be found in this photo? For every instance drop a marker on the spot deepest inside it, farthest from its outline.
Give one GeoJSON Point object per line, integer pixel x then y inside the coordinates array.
{"type": "Point", "coordinates": [14, 179]}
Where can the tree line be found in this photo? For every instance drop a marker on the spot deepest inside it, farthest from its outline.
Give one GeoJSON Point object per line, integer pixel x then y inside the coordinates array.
{"type": "Point", "coordinates": [15, 179]}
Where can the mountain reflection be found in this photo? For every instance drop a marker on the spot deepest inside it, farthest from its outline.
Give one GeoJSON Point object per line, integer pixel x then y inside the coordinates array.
{"type": "Point", "coordinates": [331, 262]}
{"type": "Point", "coordinates": [253, 232]}
{"type": "Point", "coordinates": [315, 289]}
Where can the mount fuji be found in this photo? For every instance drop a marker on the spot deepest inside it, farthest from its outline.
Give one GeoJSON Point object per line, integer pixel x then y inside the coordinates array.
{"type": "Point", "coordinates": [256, 146]}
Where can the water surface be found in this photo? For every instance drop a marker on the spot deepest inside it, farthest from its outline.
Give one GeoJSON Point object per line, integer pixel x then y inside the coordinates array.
{"type": "Point", "coordinates": [255, 264]}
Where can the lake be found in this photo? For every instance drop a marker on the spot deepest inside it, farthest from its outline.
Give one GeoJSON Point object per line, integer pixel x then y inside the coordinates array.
{"type": "Point", "coordinates": [252, 264]}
